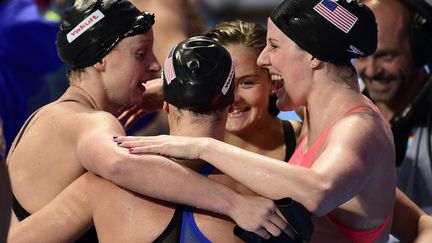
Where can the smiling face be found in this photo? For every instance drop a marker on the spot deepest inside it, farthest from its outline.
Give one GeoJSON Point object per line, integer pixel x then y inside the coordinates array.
{"type": "Point", "coordinates": [127, 67]}
{"type": "Point", "coordinates": [389, 74]}
{"type": "Point", "coordinates": [289, 67]}
{"type": "Point", "coordinates": [253, 87]}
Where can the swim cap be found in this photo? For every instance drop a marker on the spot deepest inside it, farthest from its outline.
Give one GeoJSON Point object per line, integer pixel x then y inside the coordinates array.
{"type": "Point", "coordinates": [331, 30]}
{"type": "Point", "coordinates": [198, 75]}
{"type": "Point", "coordinates": [90, 29]}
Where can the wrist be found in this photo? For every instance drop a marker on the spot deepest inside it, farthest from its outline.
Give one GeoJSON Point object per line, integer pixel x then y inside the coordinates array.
{"type": "Point", "coordinates": [233, 203]}
{"type": "Point", "coordinates": [203, 145]}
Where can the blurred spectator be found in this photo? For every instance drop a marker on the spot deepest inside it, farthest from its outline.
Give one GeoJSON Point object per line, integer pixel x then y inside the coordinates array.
{"type": "Point", "coordinates": [27, 55]}
{"type": "Point", "coordinates": [176, 20]}
{"type": "Point", "coordinates": [397, 81]}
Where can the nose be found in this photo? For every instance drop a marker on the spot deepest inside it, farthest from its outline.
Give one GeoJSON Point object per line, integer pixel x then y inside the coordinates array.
{"type": "Point", "coordinates": [237, 95]}
{"type": "Point", "coordinates": [263, 59]}
{"type": "Point", "coordinates": [154, 65]}
{"type": "Point", "coordinates": [368, 67]}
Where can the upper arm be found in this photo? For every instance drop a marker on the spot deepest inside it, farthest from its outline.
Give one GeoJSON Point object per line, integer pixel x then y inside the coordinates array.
{"type": "Point", "coordinates": [96, 149]}
{"type": "Point", "coordinates": [354, 151]}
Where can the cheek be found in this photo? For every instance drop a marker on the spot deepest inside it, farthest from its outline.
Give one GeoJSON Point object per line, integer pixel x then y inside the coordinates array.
{"type": "Point", "coordinates": [259, 99]}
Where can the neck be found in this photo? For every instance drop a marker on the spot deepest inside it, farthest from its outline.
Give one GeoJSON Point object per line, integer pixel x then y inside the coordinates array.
{"type": "Point", "coordinates": [90, 90]}
{"type": "Point", "coordinates": [327, 102]}
{"type": "Point", "coordinates": [75, 92]}
{"type": "Point", "coordinates": [197, 127]}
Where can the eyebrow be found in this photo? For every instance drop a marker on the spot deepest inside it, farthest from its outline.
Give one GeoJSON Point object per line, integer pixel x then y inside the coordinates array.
{"type": "Point", "coordinates": [384, 52]}
{"type": "Point", "coordinates": [272, 40]}
{"type": "Point", "coordinates": [248, 75]}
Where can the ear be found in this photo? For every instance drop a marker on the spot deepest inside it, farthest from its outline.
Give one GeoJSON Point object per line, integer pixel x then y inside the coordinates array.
{"type": "Point", "coordinates": [315, 63]}
{"type": "Point", "coordinates": [100, 65]}
{"type": "Point", "coordinates": [165, 107]}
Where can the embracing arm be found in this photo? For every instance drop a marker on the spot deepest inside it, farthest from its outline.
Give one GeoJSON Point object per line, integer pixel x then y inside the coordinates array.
{"type": "Point", "coordinates": [64, 219]}
{"type": "Point", "coordinates": [159, 177]}
{"type": "Point", "coordinates": [409, 219]}
{"type": "Point", "coordinates": [338, 174]}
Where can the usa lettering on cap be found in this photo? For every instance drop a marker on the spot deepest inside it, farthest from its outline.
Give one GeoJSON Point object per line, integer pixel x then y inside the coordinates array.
{"type": "Point", "coordinates": [229, 80]}
{"type": "Point", "coordinates": [82, 27]}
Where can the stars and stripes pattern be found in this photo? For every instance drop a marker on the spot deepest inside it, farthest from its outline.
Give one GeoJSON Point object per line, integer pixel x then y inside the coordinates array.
{"type": "Point", "coordinates": [168, 70]}
{"type": "Point", "coordinates": [336, 14]}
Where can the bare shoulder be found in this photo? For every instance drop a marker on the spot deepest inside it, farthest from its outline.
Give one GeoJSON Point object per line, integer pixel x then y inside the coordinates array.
{"type": "Point", "coordinates": [82, 119]}
{"type": "Point", "coordinates": [365, 134]}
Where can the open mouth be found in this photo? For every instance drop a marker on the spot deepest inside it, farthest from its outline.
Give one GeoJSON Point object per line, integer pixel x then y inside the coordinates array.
{"type": "Point", "coordinates": [141, 86]}
{"type": "Point", "coordinates": [278, 81]}
{"type": "Point", "coordinates": [238, 111]}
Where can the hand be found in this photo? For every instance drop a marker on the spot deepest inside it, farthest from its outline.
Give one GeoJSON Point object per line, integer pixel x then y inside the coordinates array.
{"type": "Point", "coordinates": [424, 237]}
{"type": "Point", "coordinates": [172, 146]}
{"type": "Point", "coordinates": [152, 102]}
{"type": "Point", "coordinates": [261, 216]}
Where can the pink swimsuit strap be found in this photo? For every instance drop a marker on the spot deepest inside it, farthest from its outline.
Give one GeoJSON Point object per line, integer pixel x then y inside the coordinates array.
{"type": "Point", "coordinates": [362, 236]}
{"type": "Point", "coordinates": [306, 159]}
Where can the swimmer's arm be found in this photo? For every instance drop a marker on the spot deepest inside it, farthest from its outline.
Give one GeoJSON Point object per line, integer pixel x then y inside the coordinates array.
{"type": "Point", "coordinates": [159, 177]}
{"type": "Point", "coordinates": [340, 172]}
{"type": "Point", "coordinates": [64, 219]}
{"type": "Point", "coordinates": [409, 220]}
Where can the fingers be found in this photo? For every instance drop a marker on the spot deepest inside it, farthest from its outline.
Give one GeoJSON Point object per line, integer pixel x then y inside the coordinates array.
{"type": "Point", "coordinates": [272, 229]}
{"type": "Point", "coordinates": [263, 233]}
{"type": "Point", "coordinates": [278, 220]}
{"type": "Point", "coordinates": [136, 145]}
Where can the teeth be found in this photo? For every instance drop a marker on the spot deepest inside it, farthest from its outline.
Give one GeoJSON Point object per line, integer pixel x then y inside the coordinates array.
{"type": "Point", "coordinates": [237, 110]}
{"type": "Point", "coordinates": [276, 77]}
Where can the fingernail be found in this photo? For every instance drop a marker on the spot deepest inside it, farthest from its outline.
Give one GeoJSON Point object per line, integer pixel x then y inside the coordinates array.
{"type": "Point", "coordinates": [119, 143]}
{"type": "Point", "coordinates": [115, 137]}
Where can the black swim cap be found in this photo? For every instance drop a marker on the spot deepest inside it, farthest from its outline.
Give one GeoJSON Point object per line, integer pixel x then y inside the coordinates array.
{"type": "Point", "coordinates": [331, 30]}
{"type": "Point", "coordinates": [198, 75]}
{"type": "Point", "coordinates": [90, 29]}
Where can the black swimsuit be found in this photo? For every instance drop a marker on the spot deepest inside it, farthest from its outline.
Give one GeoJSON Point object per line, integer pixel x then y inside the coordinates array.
{"type": "Point", "coordinates": [89, 237]}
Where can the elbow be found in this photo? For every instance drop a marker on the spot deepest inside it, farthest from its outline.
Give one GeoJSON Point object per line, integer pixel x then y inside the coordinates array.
{"type": "Point", "coordinates": [112, 168]}
{"type": "Point", "coordinates": [319, 202]}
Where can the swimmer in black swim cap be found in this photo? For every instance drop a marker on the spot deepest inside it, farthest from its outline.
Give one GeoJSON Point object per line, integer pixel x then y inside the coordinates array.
{"type": "Point", "coordinates": [90, 29]}
{"type": "Point", "coordinates": [198, 75]}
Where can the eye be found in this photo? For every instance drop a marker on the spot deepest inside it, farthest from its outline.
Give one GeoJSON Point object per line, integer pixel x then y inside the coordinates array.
{"type": "Point", "coordinates": [388, 57]}
{"type": "Point", "coordinates": [246, 83]}
{"type": "Point", "coordinates": [273, 46]}
{"type": "Point", "coordinates": [385, 56]}
{"type": "Point", "coordinates": [140, 55]}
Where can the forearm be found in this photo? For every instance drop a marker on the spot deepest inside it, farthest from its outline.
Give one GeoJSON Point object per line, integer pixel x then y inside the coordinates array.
{"type": "Point", "coordinates": [64, 219]}
{"type": "Point", "coordinates": [161, 178]}
{"type": "Point", "coordinates": [407, 218]}
{"type": "Point", "coordinates": [152, 175]}
{"type": "Point", "coordinates": [268, 177]}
